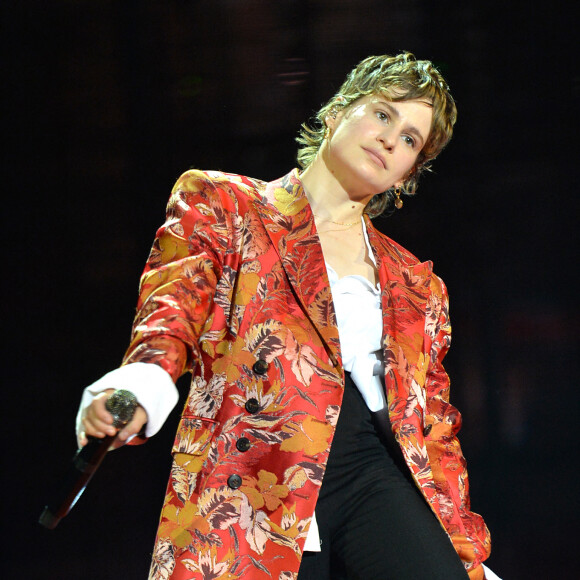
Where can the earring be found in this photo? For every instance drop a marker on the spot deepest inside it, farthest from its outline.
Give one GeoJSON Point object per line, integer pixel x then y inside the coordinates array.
{"type": "Point", "coordinates": [398, 200]}
{"type": "Point", "coordinates": [327, 132]}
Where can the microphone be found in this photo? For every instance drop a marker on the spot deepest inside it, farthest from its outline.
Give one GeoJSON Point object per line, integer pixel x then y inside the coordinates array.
{"type": "Point", "coordinates": [121, 404]}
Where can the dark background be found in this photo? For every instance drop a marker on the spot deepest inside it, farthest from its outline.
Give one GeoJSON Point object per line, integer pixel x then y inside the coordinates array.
{"type": "Point", "coordinates": [109, 101]}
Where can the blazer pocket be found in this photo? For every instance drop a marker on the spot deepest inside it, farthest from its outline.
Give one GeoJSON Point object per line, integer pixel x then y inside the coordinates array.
{"type": "Point", "coordinates": [194, 435]}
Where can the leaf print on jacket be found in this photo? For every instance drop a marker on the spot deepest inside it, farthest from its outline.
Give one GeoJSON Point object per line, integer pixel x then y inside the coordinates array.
{"type": "Point", "coordinates": [310, 436]}
{"type": "Point", "coordinates": [209, 567]}
{"type": "Point", "coordinates": [266, 340]}
{"type": "Point", "coordinates": [163, 561]}
{"type": "Point", "coordinates": [264, 491]}
{"type": "Point", "coordinates": [236, 275]}
{"type": "Point", "coordinates": [256, 527]}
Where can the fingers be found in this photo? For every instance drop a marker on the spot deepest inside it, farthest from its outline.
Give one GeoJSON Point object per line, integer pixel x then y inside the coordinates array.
{"type": "Point", "coordinates": [97, 421]}
{"type": "Point", "coordinates": [134, 426]}
{"type": "Point", "coordinates": [82, 439]}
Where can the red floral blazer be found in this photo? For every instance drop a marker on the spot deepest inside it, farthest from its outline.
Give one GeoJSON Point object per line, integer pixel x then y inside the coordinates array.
{"type": "Point", "coordinates": [235, 290]}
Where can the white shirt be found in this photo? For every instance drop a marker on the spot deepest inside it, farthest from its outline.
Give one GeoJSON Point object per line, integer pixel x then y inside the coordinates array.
{"type": "Point", "coordinates": [359, 317]}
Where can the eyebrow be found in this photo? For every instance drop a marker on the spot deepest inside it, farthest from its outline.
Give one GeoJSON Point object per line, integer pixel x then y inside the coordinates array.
{"type": "Point", "coordinates": [410, 128]}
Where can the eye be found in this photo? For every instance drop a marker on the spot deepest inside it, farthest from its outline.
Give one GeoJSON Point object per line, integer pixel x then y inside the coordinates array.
{"type": "Point", "coordinates": [409, 140]}
{"type": "Point", "coordinates": [382, 116]}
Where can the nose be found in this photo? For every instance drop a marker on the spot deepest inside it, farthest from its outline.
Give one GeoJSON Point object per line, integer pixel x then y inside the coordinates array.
{"type": "Point", "coordinates": [388, 139]}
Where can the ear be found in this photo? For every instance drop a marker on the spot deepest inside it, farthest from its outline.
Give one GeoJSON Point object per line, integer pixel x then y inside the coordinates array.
{"type": "Point", "coordinates": [336, 111]}
{"type": "Point", "coordinates": [330, 122]}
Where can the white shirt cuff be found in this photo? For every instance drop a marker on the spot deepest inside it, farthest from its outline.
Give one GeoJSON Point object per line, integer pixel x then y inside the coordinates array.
{"type": "Point", "coordinates": [153, 387]}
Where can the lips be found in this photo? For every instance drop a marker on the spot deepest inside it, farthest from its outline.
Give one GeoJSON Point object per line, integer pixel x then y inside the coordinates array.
{"type": "Point", "coordinates": [376, 157]}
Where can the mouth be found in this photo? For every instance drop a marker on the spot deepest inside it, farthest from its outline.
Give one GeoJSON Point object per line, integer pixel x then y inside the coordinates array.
{"type": "Point", "coordinates": [376, 157]}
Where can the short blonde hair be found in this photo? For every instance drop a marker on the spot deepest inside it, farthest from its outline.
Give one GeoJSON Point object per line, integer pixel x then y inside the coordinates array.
{"type": "Point", "coordinates": [399, 78]}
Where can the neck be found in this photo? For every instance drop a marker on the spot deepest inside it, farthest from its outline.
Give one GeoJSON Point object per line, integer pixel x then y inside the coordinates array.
{"type": "Point", "coordinates": [329, 200]}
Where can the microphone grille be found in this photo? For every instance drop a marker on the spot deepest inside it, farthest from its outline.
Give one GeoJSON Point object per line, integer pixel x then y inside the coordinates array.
{"type": "Point", "coordinates": [121, 404]}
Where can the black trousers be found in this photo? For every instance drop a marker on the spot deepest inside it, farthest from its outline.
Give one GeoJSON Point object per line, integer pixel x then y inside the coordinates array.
{"type": "Point", "coordinates": [374, 523]}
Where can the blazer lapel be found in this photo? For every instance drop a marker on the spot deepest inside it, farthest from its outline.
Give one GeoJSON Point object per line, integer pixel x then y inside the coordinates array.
{"type": "Point", "coordinates": [404, 293]}
{"type": "Point", "coordinates": [288, 219]}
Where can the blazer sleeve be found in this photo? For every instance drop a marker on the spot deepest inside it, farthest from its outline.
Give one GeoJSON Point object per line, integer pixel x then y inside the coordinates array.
{"type": "Point", "coordinates": [178, 284]}
{"type": "Point", "coordinates": [467, 529]}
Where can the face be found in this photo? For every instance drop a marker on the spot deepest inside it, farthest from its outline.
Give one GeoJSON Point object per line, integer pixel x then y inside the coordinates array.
{"type": "Point", "coordinates": [374, 143]}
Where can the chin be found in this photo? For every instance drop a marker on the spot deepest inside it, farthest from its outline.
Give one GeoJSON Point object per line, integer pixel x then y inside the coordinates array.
{"type": "Point", "coordinates": [375, 188]}
{"type": "Point", "coordinates": [373, 184]}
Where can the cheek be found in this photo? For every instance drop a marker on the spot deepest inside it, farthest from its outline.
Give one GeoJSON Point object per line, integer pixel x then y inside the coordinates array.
{"type": "Point", "coordinates": [341, 145]}
{"type": "Point", "coordinates": [356, 125]}
{"type": "Point", "coordinates": [409, 161]}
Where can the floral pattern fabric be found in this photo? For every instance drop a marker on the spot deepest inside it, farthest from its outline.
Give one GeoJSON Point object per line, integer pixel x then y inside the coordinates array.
{"type": "Point", "coordinates": [235, 290]}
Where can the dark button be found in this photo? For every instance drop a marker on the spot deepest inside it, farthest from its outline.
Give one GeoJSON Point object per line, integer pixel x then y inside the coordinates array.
{"type": "Point", "coordinates": [243, 444]}
{"type": "Point", "coordinates": [260, 367]}
{"type": "Point", "coordinates": [234, 481]}
{"type": "Point", "coordinates": [427, 430]}
{"type": "Point", "coordinates": [252, 406]}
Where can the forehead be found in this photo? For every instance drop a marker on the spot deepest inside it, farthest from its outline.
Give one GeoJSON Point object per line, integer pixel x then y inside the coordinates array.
{"type": "Point", "coordinates": [398, 96]}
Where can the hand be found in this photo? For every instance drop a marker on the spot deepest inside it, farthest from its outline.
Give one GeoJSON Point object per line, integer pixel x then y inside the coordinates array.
{"type": "Point", "coordinates": [98, 422]}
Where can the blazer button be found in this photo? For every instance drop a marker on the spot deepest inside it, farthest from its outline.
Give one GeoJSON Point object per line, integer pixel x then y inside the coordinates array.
{"type": "Point", "coordinates": [243, 444]}
{"type": "Point", "coordinates": [260, 367]}
{"type": "Point", "coordinates": [252, 406]}
{"type": "Point", "coordinates": [234, 481]}
{"type": "Point", "coordinates": [427, 430]}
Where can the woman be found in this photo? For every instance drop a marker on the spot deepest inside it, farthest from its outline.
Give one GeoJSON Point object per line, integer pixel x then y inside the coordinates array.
{"type": "Point", "coordinates": [318, 411]}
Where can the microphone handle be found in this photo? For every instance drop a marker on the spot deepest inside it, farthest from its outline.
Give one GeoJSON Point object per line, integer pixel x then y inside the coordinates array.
{"type": "Point", "coordinates": [84, 464]}
{"type": "Point", "coordinates": [121, 404]}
